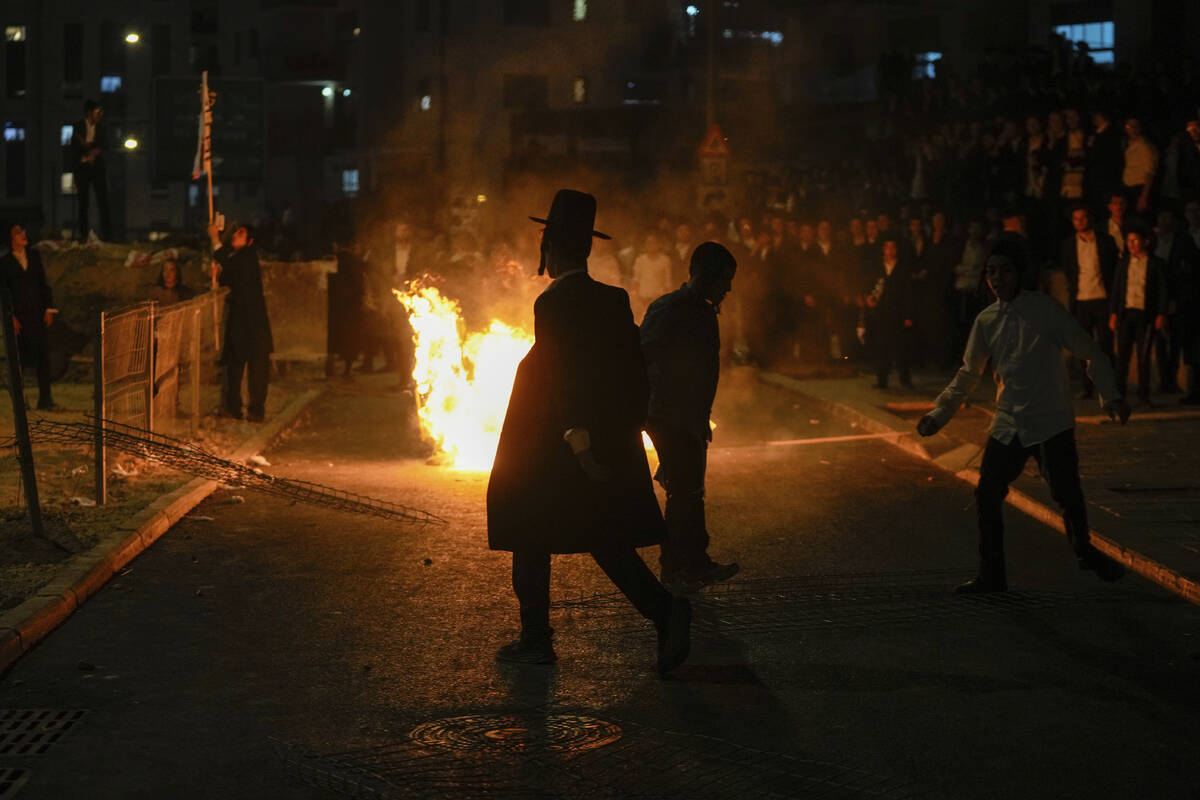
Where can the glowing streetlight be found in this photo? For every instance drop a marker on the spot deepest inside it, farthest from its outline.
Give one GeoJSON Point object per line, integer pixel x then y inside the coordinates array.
{"type": "Point", "coordinates": [131, 143]}
{"type": "Point", "coordinates": [327, 91]}
{"type": "Point", "coordinates": [692, 11]}
{"type": "Point", "coordinates": [132, 38]}
{"type": "Point", "coordinates": [345, 92]}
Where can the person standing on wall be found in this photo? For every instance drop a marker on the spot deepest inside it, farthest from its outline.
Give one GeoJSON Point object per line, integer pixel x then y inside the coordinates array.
{"type": "Point", "coordinates": [87, 152]}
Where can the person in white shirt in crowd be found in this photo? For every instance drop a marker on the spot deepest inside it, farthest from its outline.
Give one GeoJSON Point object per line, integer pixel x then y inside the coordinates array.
{"type": "Point", "coordinates": [1022, 335]}
{"type": "Point", "coordinates": [652, 273]}
{"type": "Point", "coordinates": [1088, 260]}
{"type": "Point", "coordinates": [1141, 166]}
{"type": "Point", "coordinates": [1139, 308]}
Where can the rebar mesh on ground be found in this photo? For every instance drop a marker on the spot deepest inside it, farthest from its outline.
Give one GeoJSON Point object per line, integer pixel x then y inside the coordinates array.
{"type": "Point", "coordinates": [194, 460]}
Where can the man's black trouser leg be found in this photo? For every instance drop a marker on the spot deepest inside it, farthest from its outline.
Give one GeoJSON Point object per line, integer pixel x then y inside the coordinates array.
{"type": "Point", "coordinates": [623, 566]}
{"type": "Point", "coordinates": [259, 374]}
{"type": "Point", "coordinates": [1002, 464]}
{"type": "Point", "coordinates": [1167, 349]}
{"type": "Point", "coordinates": [682, 461]}
{"type": "Point", "coordinates": [531, 583]}
{"type": "Point", "coordinates": [1093, 316]}
{"type": "Point", "coordinates": [1058, 460]}
{"type": "Point", "coordinates": [100, 184]}
{"type": "Point", "coordinates": [231, 391]}
{"type": "Point", "coordinates": [83, 187]}
{"type": "Point", "coordinates": [1129, 335]}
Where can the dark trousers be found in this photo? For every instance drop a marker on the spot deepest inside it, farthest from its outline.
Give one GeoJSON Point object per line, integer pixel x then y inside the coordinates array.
{"type": "Point", "coordinates": [1168, 348]}
{"type": "Point", "coordinates": [891, 343]}
{"type": "Point", "coordinates": [1002, 464]}
{"type": "Point", "coordinates": [623, 566]}
{"type": "Point", "coordinates": [92, 178]}
{"type": "Point", "coordinates": [34, 349]}
{"type": "Point", "coordinates": [257, 367]}
{"type": "Point", "coordinates": [1134, 331]}
{"type": "Point", "coordinates": [1093, 316]}
{"type": "Point", "coordinates": [682, 461]}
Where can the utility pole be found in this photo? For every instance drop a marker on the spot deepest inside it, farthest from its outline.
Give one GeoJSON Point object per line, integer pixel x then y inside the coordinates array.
{"type": "Point", "coordinates": [16, 389]}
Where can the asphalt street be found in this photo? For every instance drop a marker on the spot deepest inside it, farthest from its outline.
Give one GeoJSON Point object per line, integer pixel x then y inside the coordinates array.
{"type": "Point", "coordinates": [267, 649]}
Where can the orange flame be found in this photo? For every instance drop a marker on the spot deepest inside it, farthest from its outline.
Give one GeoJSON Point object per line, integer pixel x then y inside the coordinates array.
{"type": "Point", "coordinates": [463, 380]}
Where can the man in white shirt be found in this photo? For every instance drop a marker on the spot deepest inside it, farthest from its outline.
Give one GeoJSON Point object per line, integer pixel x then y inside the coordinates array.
{"type": "Point", "coordinates": [1088, 260]}
{"type": "Point", "coordinates": [1139, 308]}
{"type": "Point", "coordinates": [1023, 334]}
{"type": "Point", "coordinates": [1141, 166]}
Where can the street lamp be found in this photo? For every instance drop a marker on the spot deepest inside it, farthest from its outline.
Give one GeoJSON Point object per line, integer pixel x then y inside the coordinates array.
{"type": "Point", "coordinates": [131, 143]}
{"type": "Point", "coordinates": [132, 37]}
{"type": "Point", "coordinates": [345, 92]}
{"type": "Point", "coordinates": [327, 91]}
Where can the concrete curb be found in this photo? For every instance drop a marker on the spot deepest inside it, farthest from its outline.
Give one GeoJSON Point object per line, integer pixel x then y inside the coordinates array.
{"type": "Point", "coordinates": [83, 575]}
{"type": "Point", "coordinates": [955, 460]}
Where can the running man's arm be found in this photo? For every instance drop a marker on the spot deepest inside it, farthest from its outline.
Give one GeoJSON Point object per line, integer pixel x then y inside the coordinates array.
{"type": "Point", "coordinates": [975, 360]}
{"type": "Point", "coordinates": [1071, 335]}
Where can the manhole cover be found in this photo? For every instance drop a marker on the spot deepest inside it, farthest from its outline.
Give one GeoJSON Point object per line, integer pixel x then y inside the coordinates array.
{"type": "Point", "coordinates": [33, 731]}
{"type": "Point", "coordinates": [517, 733]}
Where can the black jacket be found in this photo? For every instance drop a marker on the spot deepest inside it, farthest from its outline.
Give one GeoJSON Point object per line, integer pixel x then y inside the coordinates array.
{"type": "Point", "coordinates": [682, 343]}
{"type": "Point", "coordinates": [79, 148]}
{"type": "Point", "coordinates": [893, 295]}
{"type": "Point", "coordinates": [31, 294]}
{"type": "Point", "coordinates": [247, 326]}
{"type": "Point", "coordinates": [1106, 253]}
{"type": "Point", "coordinates": [1105, 163]}
{"type": "Point", "coordinates": [1156, 286]}
{"type": "Point", "coordinates": [585, 370]}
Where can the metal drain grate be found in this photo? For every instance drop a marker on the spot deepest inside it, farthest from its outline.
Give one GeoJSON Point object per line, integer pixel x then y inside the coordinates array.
{"type": "Point", "coordinates": [644, 762]}
{"type": "Point", "coordinates": [33, 731]}
{"type": "Point", "coordinates": [11, 781]}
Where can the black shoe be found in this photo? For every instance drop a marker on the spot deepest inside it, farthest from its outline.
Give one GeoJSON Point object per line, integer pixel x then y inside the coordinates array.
{"type": "Point", "coordinates": [1105, 568]}
{"type": "Point", "coordinates": [225, 413]}
{"type": "Point", "coordinates": [680, 582]}
{"type": "Point", "coordinates": [712, 572]}
{"type": "Point", "coordinates": [256, 417]}
{"type": "Point", "coordinates": [51, 407]}
{"type": "Point", "coordinates": [528, 650]}
{"type": "Point", "coordinates": [983, 583]}
{"type": "Point", "coordinates": [675, 635]}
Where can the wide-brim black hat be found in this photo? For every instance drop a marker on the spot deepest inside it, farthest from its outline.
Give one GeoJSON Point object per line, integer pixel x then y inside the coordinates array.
{"type": "Point", "coordinates": [572, 214]}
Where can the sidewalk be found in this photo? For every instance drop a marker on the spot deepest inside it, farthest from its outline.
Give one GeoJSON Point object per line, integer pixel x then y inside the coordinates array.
{"type": "Point", "coordinates": [81, 576]}
{"type": "Point", "coordinates": [1142, 481]}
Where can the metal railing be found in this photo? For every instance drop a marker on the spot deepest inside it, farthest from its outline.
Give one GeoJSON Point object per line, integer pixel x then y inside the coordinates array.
{"type": "Point", "coordinates": [150, 366]}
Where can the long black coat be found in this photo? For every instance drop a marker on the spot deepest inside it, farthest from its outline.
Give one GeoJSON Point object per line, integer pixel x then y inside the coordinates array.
{"type": "Point", "coordinates": [1106, 253]}
{"type": "Point", "coordinates": [31, 296]}
{"type": "Point", "coordinates": [247, 327]}
{"type": "Point", "coordinates": [585, 370]}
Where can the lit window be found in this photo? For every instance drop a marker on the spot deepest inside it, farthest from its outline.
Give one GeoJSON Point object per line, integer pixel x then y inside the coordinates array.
{"type": "Point", "coordinates": [350, 182]}
{"type": "Point", "coordinates": [426, 102]}
{"type": "Point", "coordinates": [580, 10]}
{"type": "Point", "coordinates": [925, 65]}
{"type": "Point", "coordinates": [579, 90]}
{"type": "Point", "coordinates": [193, 195]}
{"type": "Point", "coordinates": [13, 133]}
{"type": "Point", "coordinates": [692, 11]}
{"type": "Point", "coordinates": [110, 84]}
{"type": "Point", "coordinates": [1098, 36]}
{"type": "Point", "coordinates": [67, 183]}
{"type": "Point", "coordinates": [65, 133]}
{"type": "Point", "coordinates": [14, 33]}
{"type": "Point", "coordinates": [774, 37]}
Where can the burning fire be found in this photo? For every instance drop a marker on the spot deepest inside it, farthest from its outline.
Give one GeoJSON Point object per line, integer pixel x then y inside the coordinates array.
{"type": "Point", "coordinates": [463, 380]}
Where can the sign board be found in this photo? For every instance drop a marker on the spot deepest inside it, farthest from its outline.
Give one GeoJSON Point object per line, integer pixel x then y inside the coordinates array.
{"type": "Point", "coordinates": [714, 145]}
{"type": "Point", "coordinates": [238, 130]}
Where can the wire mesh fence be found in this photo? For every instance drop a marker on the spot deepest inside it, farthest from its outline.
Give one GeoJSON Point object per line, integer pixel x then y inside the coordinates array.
{"type": "Point", "coordinates": [153, 365]}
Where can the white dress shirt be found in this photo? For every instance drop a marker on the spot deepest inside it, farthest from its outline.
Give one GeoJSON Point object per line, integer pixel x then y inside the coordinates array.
{"type": "Point", "coordinates": [1024, 340]}
{"type": "Point", "coordinates": [1091, 283]}
{"type": "Point", "coordinates": [1114, 230]}
{"type": "Point", "coordinates": [1135, 283]}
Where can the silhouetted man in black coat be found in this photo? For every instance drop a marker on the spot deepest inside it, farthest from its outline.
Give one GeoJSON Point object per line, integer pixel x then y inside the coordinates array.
{"type": "Point", "coordinates": [682, 342]}
{"type": "Point", "coordinates": [570, 474]}
{"type": "Point", "coordinates": [248, 343]}
{"type": "Point", "coordinates": [87, 154]}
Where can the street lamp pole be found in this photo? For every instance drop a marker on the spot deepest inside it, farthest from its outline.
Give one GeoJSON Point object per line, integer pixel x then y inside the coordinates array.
{"type": "Point", "coordinates": [710, 106]}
